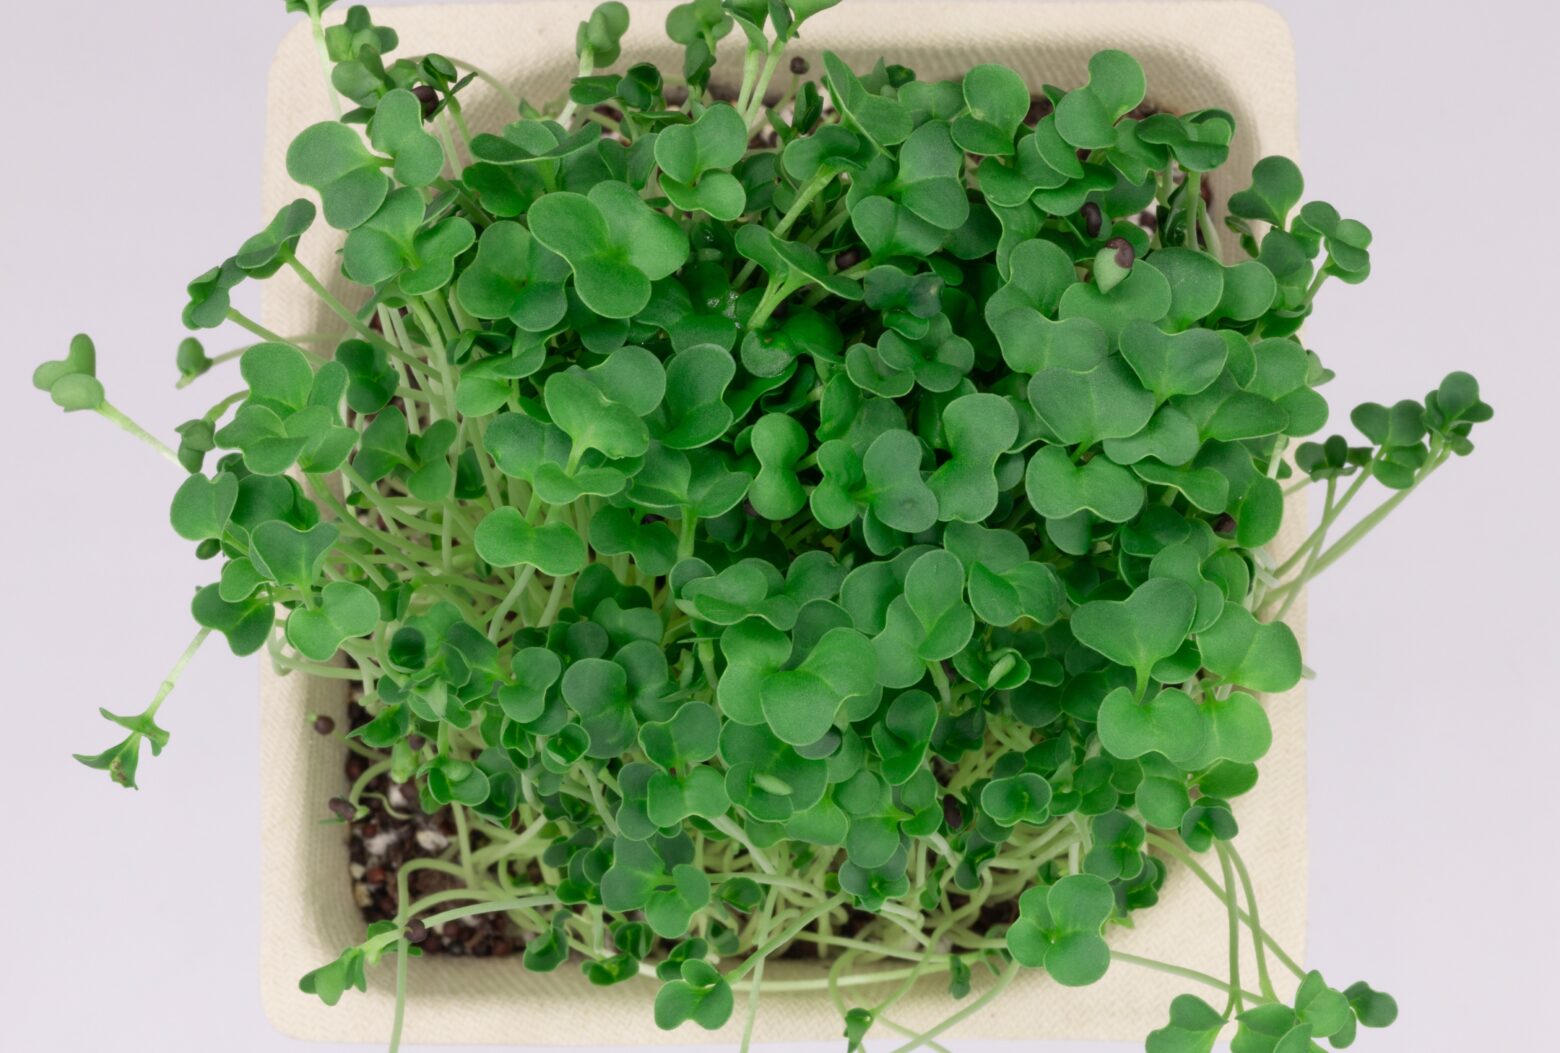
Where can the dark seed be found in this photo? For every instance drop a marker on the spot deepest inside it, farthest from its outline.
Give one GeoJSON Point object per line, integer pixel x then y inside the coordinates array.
{"type": "Point", "coordinates": [1124, 253]}
{"type": "Point", "coordinates": [428, 97]}
{"type": "Point", "coordinates": [324, 725]}
{"type": "Point", "coordinates": [416, 742]}
{"type": "Point", "coordinates": [450, 931]}
{"type": "Point", "coordinates": [342, 808]}
{"type": "Point", "coordinates": [799, 66]}
{"type": "Point", "coordinates": [502, 948]}
{"type": "Point", "coordinates": [953, 812]}
{"type": "Point", "coordinates": [1225, 524]}
{"type": "Point", "coordinates": [416, 931]}
{"type": "Point", "coordinates": [374, 875]}
{"type": "Point", "coordinates": [847, 259]}
{"type": "Point", "coordinates": [1091, 219]}
{"type": "Point", "coordinates": [752, 513]}
{"type": "Point", "coordinates": [355, 767]}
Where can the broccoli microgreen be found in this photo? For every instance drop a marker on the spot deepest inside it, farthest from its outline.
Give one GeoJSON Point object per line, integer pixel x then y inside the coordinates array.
{"type": "Point", "coordinates": [761, 536]}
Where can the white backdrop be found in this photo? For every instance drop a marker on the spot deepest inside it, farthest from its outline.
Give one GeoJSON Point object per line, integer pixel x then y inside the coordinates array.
{"type": "Point", "coordinates": [131, 164]}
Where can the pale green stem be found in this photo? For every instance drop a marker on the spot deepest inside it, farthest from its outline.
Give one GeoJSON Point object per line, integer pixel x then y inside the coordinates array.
{"type": "Point", "coordinates": [491, 81]}
{"type": "Point", "coordinates": [463, 841]}
{"type": "Point", "coordinates": [108, 411]}
{"type": "Point", "coordinates": [243, 321]}
{"type": "Point", "coordinates": [1264, 980]}
{"type": "Point", "coordinates": [370, 773]}
{"type": "Point", "coordinates": [755, 108]}
{"type": "Point", "coordinates": [1232, 909]}
{"type": "Point", "coordinates": [317, 28]}
{"type": "Point", "coordinates": [1330, 513]}
{"type": "Point", "coordinates": [341, 310]}
{"type": "Point", "coordinates": [804, 197]}
{"type": "Point", "coordinates": [587, 67]}
{"type": "Point", "coordinates": [496, 622]}
{"type": "Point", "coordinates": [238, 352]}
{"type": "Point", "coordinates": [1357, 533]}
{"type": "Point", "coordinates": [964, 1014]}
{"type": "Point", "coordinates": [1178, 970]}
{"type": "Point", "coordinates": [402, 948]}
{"type": "Point", "coordinates": [758, 975]}
{"type": "Point", "coordinates": [752, 60]}
{"type": "Point", "coordinates": [166, 687]}
{"type": "Point", "coordinates": [555, 597]}
{"type": "Point", "coordinates": [1186, 860]}
{"type": "Point", "coordinates": [772, 944]}
{"type": "Point", "coordinates": [737, 834]}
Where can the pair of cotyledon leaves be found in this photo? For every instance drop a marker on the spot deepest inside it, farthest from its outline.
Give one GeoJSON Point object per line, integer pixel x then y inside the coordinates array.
{"type": "Point", "coordinates": [1318, 1011]}
{"type": "Point", "coordinates": [1145, 632]}
{"type": "Point", "coordinates": [276, 555]}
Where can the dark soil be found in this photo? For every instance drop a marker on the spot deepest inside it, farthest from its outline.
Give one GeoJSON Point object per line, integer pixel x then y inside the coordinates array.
{"type": "Point", "coordinates": [382, 842]}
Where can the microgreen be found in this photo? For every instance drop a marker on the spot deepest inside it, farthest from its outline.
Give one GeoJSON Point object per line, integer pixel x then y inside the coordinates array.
{"type": "Point", "coordinates": [791, 542]}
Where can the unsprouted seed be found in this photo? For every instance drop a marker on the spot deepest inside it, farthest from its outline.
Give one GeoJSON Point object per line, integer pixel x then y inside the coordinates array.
{"type": "Point", "coordinates": [831, 522]}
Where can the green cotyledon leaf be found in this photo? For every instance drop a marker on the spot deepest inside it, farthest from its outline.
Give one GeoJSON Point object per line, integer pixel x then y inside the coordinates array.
{"type": "Point", "coordinates": [1261, 656]}
{"type": "Point", "coordinates": [1138, 632]}
{"type": "Point", "coordinates": [346, 610]}
{"type": "Point", "coordinates": [614, 243]}
{"type": "Point", "coordinates": [696, 159]}
{"type": "Point", "coordinates": [1058, 488]}
{"type": "Point", "coordinates": [800, 704]}
{"type": "Point", "coordinates": [505, 539]}
{"type": "Point", "coordinates": [334, 160]}
{"type": "Point", "coordinates": [978, 430]}
{"type": "Point", "coordinates": [1058, 929]}
{"type": "Point", "coordinates": [513, 276]}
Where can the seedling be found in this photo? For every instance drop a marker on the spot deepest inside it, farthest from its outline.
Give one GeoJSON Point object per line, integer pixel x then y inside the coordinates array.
{"type": "Point", "coordinates": [792, 512]}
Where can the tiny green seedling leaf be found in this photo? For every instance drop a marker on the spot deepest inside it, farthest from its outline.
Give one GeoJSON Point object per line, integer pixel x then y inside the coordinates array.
{"type": "Point", "coordinates": [615, 245]}
{"type": "Point", "coordinates": [1058, 929]}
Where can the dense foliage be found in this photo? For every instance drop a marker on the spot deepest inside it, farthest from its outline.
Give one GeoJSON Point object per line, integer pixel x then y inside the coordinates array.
{"type": "Point", "coordinates": [832, 516]}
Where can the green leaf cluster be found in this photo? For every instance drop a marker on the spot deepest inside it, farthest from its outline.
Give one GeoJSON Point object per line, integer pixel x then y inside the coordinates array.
{"type": "Point", "coordinates": [846, 506]}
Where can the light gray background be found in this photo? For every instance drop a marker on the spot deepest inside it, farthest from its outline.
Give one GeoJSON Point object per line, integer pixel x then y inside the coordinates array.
{"type": "Point", "coordinates": [131, 163]}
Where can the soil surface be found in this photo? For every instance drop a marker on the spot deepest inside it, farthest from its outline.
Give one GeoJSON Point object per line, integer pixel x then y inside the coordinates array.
{"type": "Point", "coordinates": [396, 831]}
